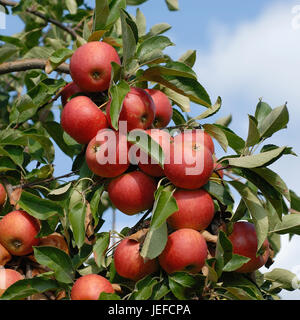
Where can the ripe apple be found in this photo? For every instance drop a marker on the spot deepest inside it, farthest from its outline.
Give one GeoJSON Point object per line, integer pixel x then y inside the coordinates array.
{"type": "Point", "coordinates": [7, 278]}
{"type": "Point", "coordinates": [244, 242]}
{"type": "Point", "coordinates": [190, 163]}
{"type": "Point", "coordinates": [186, 250]}
{"type": "Point", "coordinates": [138, 110]}
{"type": "Point", "coordinates": [82, 119]}
{"type": "Point", "coordinates": [98, 158]}
{"type": "Point", "coordinates": [89, 287]}
{"type": "Point", "coordinates": [163, 108]}
{"type": "Point", "coordinates": [132, 192]}
{"type": "Point", "coordinates": [164, 139]}
{"type": "Point", "coordinates": [2, 194]}
{"type": "Point", "coordinates": [129, 263]}
{"type": "Point", "coordinates": [18, 232]}
{"type": "Point", "coordinates": [195, 210]}
{"type": "Point", "coordinates": [68, 91]}
{"type": "Point", "coordinates": [5, 256]}
{"type": "Point", "coordinates": [90, 66]}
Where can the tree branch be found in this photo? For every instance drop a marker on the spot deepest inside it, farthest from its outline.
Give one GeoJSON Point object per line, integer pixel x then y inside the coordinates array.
{"type": "Point", "coordinates": [42, 16]}
{"type": "Point", "coordinates": [28, 64]}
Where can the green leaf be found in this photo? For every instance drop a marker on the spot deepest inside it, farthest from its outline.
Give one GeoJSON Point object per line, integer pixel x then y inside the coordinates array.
{"type": "Point", "coordinates": [143, 289]}
{"type": "Point", "coordinates": [178, 117]}
{"type": "Point", "coordinates": [27, 287]}
{"type": "Point", "coordinates": [95, 202]}
{"type": "Point", "coordinates": [282, 278]}
{"type": "Point", "coordinates": [39, 208]}
{"type": "Point", "coordinates": [100, 248]}
{"type": "Point", "coordinates": [56, 260]}
{"type": "Point", "coordinates": [72, 6]}
{"type": "Point", "coordinates": [172, 5]}
{"type": "Point", "coordinates": [258, 213]}
{"type": "Point", "coordinates": [253, 133]}
{"type": "Point", "coordinates": [140, 22]}
{"type": "Point", "coordinates": [225, 121]}
{"type": "Point", "coordinates": [219, 192]}
{"type": "Point", "coordinates": [262, 110]}
{"type": "Point", "coordinates": [159, 291]}
{"type": "Point", "coordinates": [23, 109]}
{"type": "Point", "coordinates": [235, 263]}
{"type": "Point", "coordinates": [15, 153]}
{"type": "Point", "coordinates": [109, 296]}
{"type": "Point", "coordinates": [189, 58]}
{"type": "Point", "coordinates": [256, 160]}
{"type": "Point", "coordinates": [101, 13]}
{"type": "Point", "coordinates": [77, 217]}
{"type": "Point", "coordinates": [114, 12]}
{"type": "Point", "coordinates": [223, 249]}
{"type": "Point", "coordinates": [159, 29]}
{"type": "Point", "coordinates": [234, 141]}
{"type": "Point", "coordinates": [180, 100]}
{"type": "Point", "coordinates": [218, 134]}
{"type": "Point", "coordinates": [135, 2]}
{"type": "Point", "coordinates": [289, 224]}
{"type": "Point", "coordinates": [295, 201]}
{"type": "Point", "coordinates": [117, 94]}
{"type": "Point", "coordinates": [276, 120]}
{"type": "Point", "coordinates": [209, 112]}
{"type": "Point", "coordinates": [57, 58]}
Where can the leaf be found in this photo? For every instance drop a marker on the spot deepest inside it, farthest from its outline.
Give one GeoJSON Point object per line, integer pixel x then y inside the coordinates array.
{"type": "Point", "coordinates": [178, 117]}
{"type": "Point", "coordinates": [295, 201]}
{"type": "Point", "coordinates": [216, 133]}
{"type": "Point", "coordinates": [72, 6]}
{"type": "Point", "coordinates": [225, 121]}
{"type": "Point", "coordinates": [77, 218]}
{"type": "Point", "coordinates": [235, 263]}
{"type": "Point", "coordinates": [180, 100]}
{"type": "Point", "coordinates": [172, 5]}
{"type": "Point", "coordinates": [39, 208]}
{"type": "Point", "coordinates": [100, 247]}
{"type": "Point", "coordinates": [117, 94]}
{"type": "Point", "coordinates": [253, 133]}
{"type": "Point", "coordinates": [189, 58]}
{"type": "Point", "coordinates": [56, 260]}
{"type": "Point", "coordinates": [143, 289]}
{"type": "Point", "coordinates": [23, 109]}
{"type": "Point", "coordinates": [114, 12]}
{"type": "Point", "coordinates": [262, 110]}
{"type": "Point", "coordinates": [101, 13]}
{"type": "Point", "coordinates": [289, 224]}
{"type": "Point", "coordinates": [27, 287]}
{"type": "Point", "coordinates": [258, 213]}
{"type": "Point", "coordinates": [108, 296]}
{"type": "Point", "coordinates": [234, 141]}
{"type": "Point", "coordinates": [140, 22]}
{"type": "Point", "coordinates": [276, 120]}
{"type": "Point", "coordinates": [256, 160]}
{"type": "Point", "coordinates": [219, 192]}
{"type": "Point", "coordinates": [159, 29]}
{"type": "Point", "coordinates": [135, 2]}
{"type": "Point", "coordinates": [15, 153]}
{"type": "Point", "coordinates": [283, 278]}
{"type": "Point", "coordinates": [57, 58]}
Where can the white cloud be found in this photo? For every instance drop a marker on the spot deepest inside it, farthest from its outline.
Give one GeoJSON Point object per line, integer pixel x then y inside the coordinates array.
{"type": "Point", "coordinates": [260, 58]}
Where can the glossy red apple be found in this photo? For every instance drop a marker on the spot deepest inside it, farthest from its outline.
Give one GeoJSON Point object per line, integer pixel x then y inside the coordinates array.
{"type": "Point", "coordinates": [2, 194]}
{"type": "Point", "coordinates": [90, 66]}
{"type": "Point", "coordinates": [190, 163]}
{"type": "Point", "coordinates": [107, 154]}
{"type": "Point", "coordinates": [150, 166]}
{"type": "Point", "coordinates": [129, 263]}
{"type": "Point", "coordinates": [82, 119]}
{"type": "Point", "coordinates": [195, 210]}
{"type": "Point", "coordinates": [244, 242]}
{"type": "Point", "coordinates": [138, 110]}
{"type": "Point", "coordinates": [186, 250]}
{"type": "Point", "coordinates": [89, 287]}
{"type": "Point", "coordinates": [163, 108]}
{"type": "Point", "coordinates": [132, 192]}
{"type": "Point", "coordinates": [18, 231]}
{"type": "Point", "coordinates": [68, 91]}
{"type": "Point", "coordinates": [7, 278]}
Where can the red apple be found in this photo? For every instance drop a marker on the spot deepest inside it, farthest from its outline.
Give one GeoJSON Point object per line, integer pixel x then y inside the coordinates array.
{"type": "Point", "coordinates": [82, 119]}
{"type": "Point", "coordinates": [186, 250]}
{"type": "Point", "coordinates": [163, 138]}
{"type": "Point", "coordinates": [244, 242]}
{"type": "Point", "coordinates": [2, 194]}
{"type": "Point", "coordinates": [195, 210]}
{"type": "Point", "coordinates": [102, 163]}
{"type": "Point", "coordinates": [90, 66]}
{"type": "Point", "coordinates": [18, 232]}
{"type": "Point", "coordinates": [89, 287]}
{"type": "Point", "coordinates": [68, 91]}
{"type": "Point", "coordinates": [138, 110]}
{"type": "Point", "coordinates": [7, 278]}
{"type": "Point", "coordinates": [189, 163]}
{"type": "Point", "coordinates": [132, 192]}
{"type": "Point", "coordinates": [129, 263]}
{"type": "Point", "coordinates": [5, 256]}
{"type": "Point", "coordinates": [163, 108]}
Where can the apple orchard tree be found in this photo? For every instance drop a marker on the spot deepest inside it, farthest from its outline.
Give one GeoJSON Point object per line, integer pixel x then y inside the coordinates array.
{"type": "Point", "coordinates": [192, 239]}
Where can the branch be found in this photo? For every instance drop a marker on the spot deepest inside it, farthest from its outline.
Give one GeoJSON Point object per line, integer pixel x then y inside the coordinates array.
{"type": "Point", "coordinates": [42, 16]}
{"type": "Point", "coordinates": [28, 64]}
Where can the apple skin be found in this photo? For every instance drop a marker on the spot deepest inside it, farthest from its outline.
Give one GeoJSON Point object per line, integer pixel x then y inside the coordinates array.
{"type": "Point", "coordinates": [129, 263]}
{"type": "Point", "coordinates": [186, 250]}
{"type": "Point", "coordinates": [90, 66]}
{"type": "Point", "coordinates": [138, 110]}
{"type": "Point", "coordinates": [7, 278]}
{"type": "Point", "coordinates": [244, 242]}
{"type": "Point", "coordinates": [5, 256]}
{"type": "Point", "coordinates": [82, 119]}
{"type": "Point", "coordinates": [18, 231]}
{"type": "Point", "coordinates": [68, 91]}
{"type": "Point", "coordinates": [90, 286]}
{"type": "Point", "coordinates": [3, 194]}
{"type": "Point", "coordinates": [107, 170]}
{"type": "Point", "coordinates": [185, 153]}
{"type": "Point", "coordinates": [195, 210]}
{"type": "Point", "coordinates": [163, 108]}
{"type": "Point", "coordinates": [132, 192]}
{"type": "Point", "coordinates": [163, 138]}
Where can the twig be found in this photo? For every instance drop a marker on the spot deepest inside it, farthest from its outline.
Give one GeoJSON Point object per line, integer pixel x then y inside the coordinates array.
{"type": "Point", "coordinates": [33, 11]}
{"type": "Point", "coordinates": [135, 227]}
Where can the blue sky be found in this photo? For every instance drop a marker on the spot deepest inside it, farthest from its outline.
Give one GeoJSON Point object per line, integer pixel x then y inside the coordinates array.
{"type": "Point", "coordinates": [245, 50]}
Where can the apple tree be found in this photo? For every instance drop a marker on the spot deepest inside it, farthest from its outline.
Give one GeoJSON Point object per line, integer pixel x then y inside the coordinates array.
{"type": "Point", "coordinates": [195, 237]}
